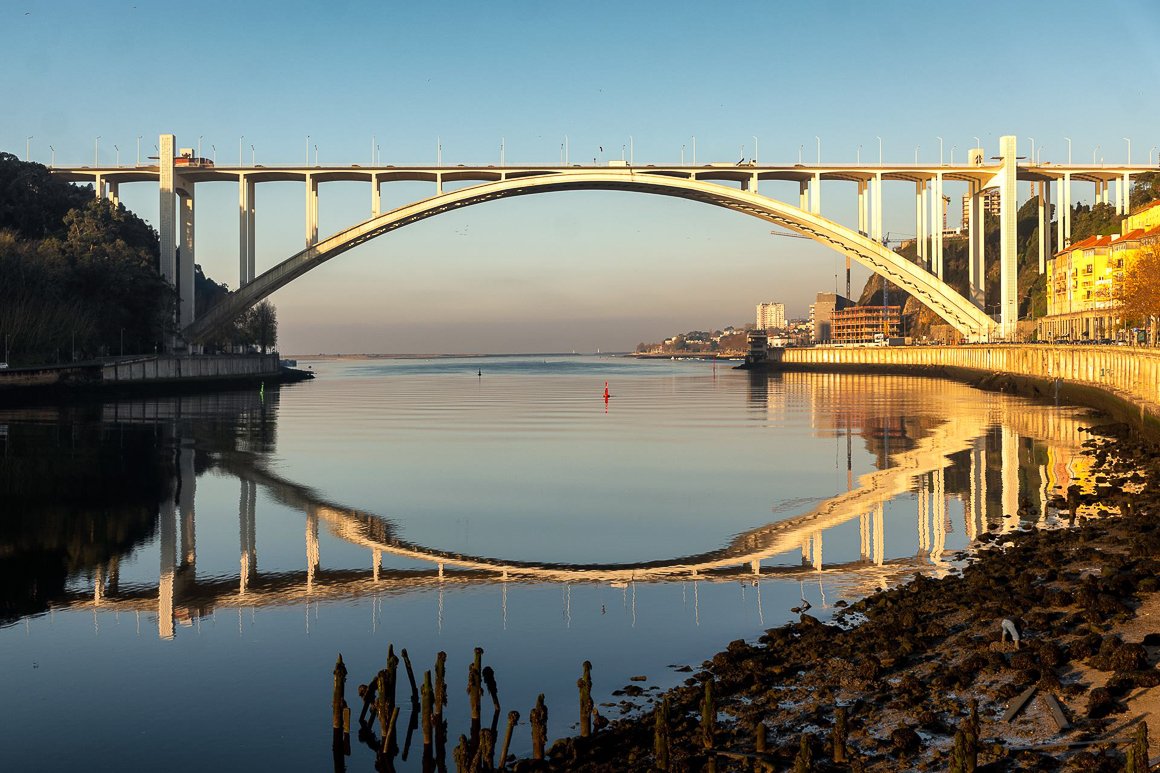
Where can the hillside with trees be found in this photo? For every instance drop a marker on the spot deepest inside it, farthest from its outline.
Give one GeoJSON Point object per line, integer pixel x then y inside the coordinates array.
{"type": "Point", "coordinates": [79, 276]}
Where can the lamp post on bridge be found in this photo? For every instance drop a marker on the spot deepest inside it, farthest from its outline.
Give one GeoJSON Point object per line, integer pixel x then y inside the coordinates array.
{"type": "Point", "coordinates": [316, 154]}
{"type": "Point", "coordinates": [858, 155]}
{"type": "Point", "coordinates": [306, 160]}
{"type": "Point", "coordinates": [213, 149]}
{"type": "Point", "coordinates": [253, 156]}
{"type": "Point", "coordinates": [1095, 150]}
{"type": "Point", "coordinates": [52, 150]}
{"type": "Point", "coordinates": [438, 151]}
{"type": "Point", "coordinates": [198, 147]}
{"type": "Point", "coordinates": [1150, 152]}
{"type": "Point", "coordinates": [978, 144]}
{"type": "Point", "coordinates": [1032, 156]}
{"type": "Point", "coordinates": [118, 152]}
{"type": "Point", "coordinates": [879, 150]}
{"type": "Point", "coordinates": [240, 141]}
{"type": "Point", "coordinates": [96, 150]}
{"type": "Point", "coordinates": [940, 151]}
{"type": "Point", "coordinates": [682, 155]}
{"type": "Point", "coordinates": [138, 150]}
{"type": "Point", "coordinates": [694, 150]}
{"type": "Point", "coordinates": [27, 146]}
{"type": "Point", "coordinates": [1129, 141]}
{"type": "Point", "coordinates": [1068, 149]}
{"type": "Point", "coordinates": [755, 149]}
{"type": "Point", "coordinates": [819, 141]}
{"type": "Point", "coordinates": [630, 150]}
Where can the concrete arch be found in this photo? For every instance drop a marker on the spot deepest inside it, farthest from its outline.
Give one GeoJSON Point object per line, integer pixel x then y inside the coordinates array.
{"type": "Point", "coordinates": [959, 312]}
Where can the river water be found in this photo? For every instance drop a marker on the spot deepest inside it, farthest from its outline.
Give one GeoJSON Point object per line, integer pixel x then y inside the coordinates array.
{"type": "Point", "coordinates": [180, 574]}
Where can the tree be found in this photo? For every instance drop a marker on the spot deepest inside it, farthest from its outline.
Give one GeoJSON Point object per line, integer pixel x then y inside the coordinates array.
{"type": "Point", "coordinates": [262, 326]}
{"type": "Point", "coordinates": [1139, 291]}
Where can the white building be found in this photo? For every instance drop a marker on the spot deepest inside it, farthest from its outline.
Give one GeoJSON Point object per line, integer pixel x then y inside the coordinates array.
{"type": "Point", "coordinates": [770, 316]}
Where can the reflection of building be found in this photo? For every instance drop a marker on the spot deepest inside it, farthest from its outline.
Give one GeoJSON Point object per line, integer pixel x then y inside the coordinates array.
{"type": "Point", "coordinates": [822, 314]}
{"type": "Point", "coordinates": [860, 324]}
{"type": "Point", "coordinates": [1082, 279]}
{"type": "Point", "coordinates": [770, 316]}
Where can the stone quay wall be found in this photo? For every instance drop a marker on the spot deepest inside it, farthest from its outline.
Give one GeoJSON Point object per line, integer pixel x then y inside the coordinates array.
{"type": "Point", "coordinates": [189, 368]}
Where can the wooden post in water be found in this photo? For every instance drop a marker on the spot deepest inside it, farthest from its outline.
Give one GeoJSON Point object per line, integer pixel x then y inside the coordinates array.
{"type": "Point", "coordinates": [392, 674]}
{"type": "Point", "coordinates": [461, 755]}
{"type": "Point", "coordinates": [474, 687]}
{"type": "Point", "coordinates": [410, 677]}
{"type": "Point", "coordinates": [661, 736]}
{"type": "Point", "coordinates": [708, 715]}
{"type": "Point", "coordinates": [389, 736]}
{"type": "Point", "coordinates": [539, 721]}
{"type": "Point", "coordinates": [382, 708]}
{"type": "Point", "coordinates": [586, 705]}
{"type": "Point", "coordinates": [513, 720]}
{"type": "Point", "coordinates": [440, 683]}
{"type": "Point", "coordinates": [339, 699]}
{"type": "Point", "coordinates": [804, 762]}
{"type": "Point", "coordinates": [428, 705]}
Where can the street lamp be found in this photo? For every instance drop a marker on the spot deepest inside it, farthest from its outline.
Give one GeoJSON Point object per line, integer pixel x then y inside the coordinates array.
{"type": "Point", "coordinates": [819, 141]}
{"type": "Point", "coordinates": [565, 150]}
{"type": "Point", "coordinates": [755, 149]}
{"type": "Point", "coordinates": [694, 150]}
{"type": "Point", "coordinates": [682, 155]}
{"type": "Point", "coordinates": [199, 146]}
{"type": "Point", "coordinates": [1129, 141]}
{"type": "Point", "coordinates": [916, 147]}
{"type": "Point", "coordinates": [858, 155]}
{"type": "Point", "coordinates": [630, 149]}
{"type": "Point", "coordinates": [118, 150]}
{"type": "Point", "coordinates": [307, 159]}
{"type": "Point", "coordinates": [213, 149]}
{"type": "Point", "coordinates": [879, 150]}
{"type": "Point", "coordinates": [52, 150]}
{"type": "Point", "coordinates": [27, 146]}
{"type": "Point", "coordinates": [1150, 151]}
{"type": "Point", "coordinates": [1032, 156]}
{"type": "Point", "coordinates": [438, 151]}
{"type": "Point", "coordinates": [240, 141]}
{"type": "Point", "coordinates": [1095, 150]}
{"type": "Point", "coordinates": [1068, 149]}
{"type": "Point", "coordinates": [940, 149]}
{"type": "Point", "coordinates": [96, 149]}
{"type": "Point", "coordinates": [978, 144]}
{"type": "Point", "coordinates": [253, 156]}
{"type": "Point", "coordinates": [315, 154]}
{"type": "Point", "coordinates": [138, 150]}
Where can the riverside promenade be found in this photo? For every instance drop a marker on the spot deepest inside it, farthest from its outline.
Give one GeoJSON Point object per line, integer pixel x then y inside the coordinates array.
{"type": "Point", "coordinates": [1124, 380]}
{"type": "Point", "coordinates": [145, 370]}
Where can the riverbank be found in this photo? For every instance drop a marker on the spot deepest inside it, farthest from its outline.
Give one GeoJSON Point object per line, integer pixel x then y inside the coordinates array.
{"type": "Point", "coordinates": [907, 665]}
{"type": "Point", "coordinates": [150, 376]}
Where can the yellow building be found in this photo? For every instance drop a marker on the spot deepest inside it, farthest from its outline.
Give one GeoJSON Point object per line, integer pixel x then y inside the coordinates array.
{"type": "Point", "coordinates": [1082, 280]}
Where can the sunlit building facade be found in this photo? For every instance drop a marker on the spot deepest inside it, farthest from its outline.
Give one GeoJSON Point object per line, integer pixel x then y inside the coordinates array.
{"type": "Point", "coordinates": [771, 316]}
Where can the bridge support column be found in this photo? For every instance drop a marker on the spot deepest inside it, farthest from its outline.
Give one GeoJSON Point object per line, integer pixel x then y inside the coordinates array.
{"type": "Point", "coordinates": [939, 516]}
{"type": "Point", "coordinates": [312, 560]}
{"type": "Point", "coordinates": [878, 208]}
{"type": "Point", "coordinates": [1008, 239]}
{"type": "Point", "coordinates": [862, 207]}
{"type": "Point", "coordinates": [879, 534]}
{"type": "Point", "coordinates": [864, 536]}
{"type": "Point", "coordinates": [246, 234]}
{"type": "Point", "coordinates": [804, 195]}
{"type": "Point", "coordinates": [376, 196]}
{"type": "Point", "coordinates": [923, 497]}
{"type": "Point", "coordinates": [1045, 245]}
{"type": "Point", "coordinates": [937, 215]}
{"type": "Point", "coordinates": [115, 193]}
{"type": "Point", "coordinates": [168, 207]}
{"type": "Point", "coordinates": [919, 222]}
{"type": "Point", "coordinates": [1126, 184]}
{"type": "Point", "coordinates": [311, 209]}
{"type": "Point", "coordinates": [816, 199]}
{"type": "Point", "coordinates": [98, 187]}
{"type": "Point", "coordinates": [186, 258]}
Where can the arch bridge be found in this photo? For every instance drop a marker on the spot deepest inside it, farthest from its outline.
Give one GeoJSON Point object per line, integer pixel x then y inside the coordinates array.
{"type": "Point", "coordinates": [731, 186]}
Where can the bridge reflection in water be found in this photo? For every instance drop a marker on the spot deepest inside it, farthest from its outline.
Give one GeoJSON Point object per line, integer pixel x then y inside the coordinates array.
{"type": "Point", "coordinates": [1014, 455]}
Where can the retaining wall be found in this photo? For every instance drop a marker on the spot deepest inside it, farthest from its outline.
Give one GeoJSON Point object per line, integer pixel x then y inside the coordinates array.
{"type": "Point", "coordinates": [1130, 374]}
{"type": "Point", "coordinates": [189, 368]}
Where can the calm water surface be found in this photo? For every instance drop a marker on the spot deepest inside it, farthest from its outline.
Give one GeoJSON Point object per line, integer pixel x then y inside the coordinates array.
{"type": "Point", "coordinates": [179, 574]}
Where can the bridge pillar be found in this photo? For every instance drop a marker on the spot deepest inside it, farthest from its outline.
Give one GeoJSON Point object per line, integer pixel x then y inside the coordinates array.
{"type": "Point", "coordinates": [923, 497]}
{"type": "Point", "coordinates": [246, 236]}
{"type": "Point", "coordinates": [311, 209]}
{"type": "Point", "coordinates": [1010, 465]}
{"type": "Point", "coordinates": [186, 499]}
{"type": "Point", "coordinates": [804, 195]}
{"type": "Point", "coordinates": [115, 193]}
{"type": "Point", "coordinates": [862, 207]}
{"type": "Point", "coordinates": [1008, 239]}
{"type": "Point", "coordinates": [939, 516]}
{"type": "Point", "coordinates": [376, 196]}
{"type": "Point", "coordinates": [186, 258]}
{"type": "Point", "coordinates": [312, 559]}
{"type": "Point", "coordinates": [816, 199]}
{"type": "Point", "coordinates": [168, 224]}
{"type": "Point", "coordinates": [1045, 245]}
{"type": "Point", "coordinates": [879, 534]}
{"type": "Point", "coordinates": [1065, 202]}
{"type": "Point", "coordinates": [937, 215]}
{"type": "Point", "coordinates": [878, 207]}
{"type": "Point", "coordinates": [864, 536]}
{"type": "Point", "coordinates": [919, 232]}
{"type": "Point", "coordinates": [976, 257]}
{"type": "Point", "coordinates": [1126, 182]}
{"type": "Point", "coordinates": [247, 501]}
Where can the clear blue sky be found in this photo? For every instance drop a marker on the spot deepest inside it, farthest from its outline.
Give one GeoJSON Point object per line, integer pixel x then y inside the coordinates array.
{"type": "Point", "coordinates": [572, 270]}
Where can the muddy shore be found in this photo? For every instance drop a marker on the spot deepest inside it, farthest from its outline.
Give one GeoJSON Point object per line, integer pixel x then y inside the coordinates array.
{"type": "Point", "coordinates": [920, 677]}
